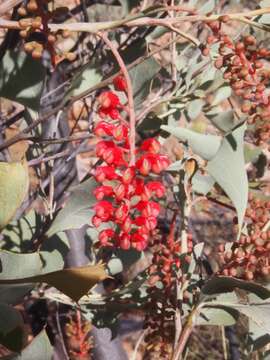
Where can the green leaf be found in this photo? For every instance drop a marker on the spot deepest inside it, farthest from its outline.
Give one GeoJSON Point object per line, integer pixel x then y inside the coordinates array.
{"type": "Point", "coordinates": [223, 120]}
{"type": "Point", "coordinates": [11, 328]}
{"type": "Point", "coordinates": [18, 234]}
{"type": "Point", "coordinates": [87, 77]}
{"type": "Point", "coordinates": [14, 184]}
{"type": "Point", "coordinates": [205, 146]}
{"type": "Point", "coordinates": [28, 265]}
{"type": "Point", "coordinates": [53, 252]}
{"type": "Point", "coordinates": [265, 3]}
{"type": "Point", "coordinates": [77, 211]}
{"type": "Point", "coordinates": [265, 19]}
{"type": "Point", "coordinates": [202, 184]}
{"type": "Point", "coordinates": [207, 7]}
{"type": "Point", "coordinates": [141, 77]}
{"type": "Point", "coordinates": [251, 154]}
{"type": "Point", "coordinates": [228, 169]}
{"type": "Point", "coordinates": [194, 108]}
{"type": "Point", "coordinates": [21, 78]}
{"type": "Point", "coordinates": [121, 260]}
{"type": "Point", "coordinates": [224, 284]}
{"type": "Point", "coordinates": [39, 348]}
{"type": "Point", "coordinates": [73, 282]}
{"type": "Point", "coordinates": [217, 317]}
{"type": "Point", "coordinates": [259, 313]}
{"type": "Point", "coordinates": [222, 94]}
{"type": "Point", "coordinates": [258, 337]}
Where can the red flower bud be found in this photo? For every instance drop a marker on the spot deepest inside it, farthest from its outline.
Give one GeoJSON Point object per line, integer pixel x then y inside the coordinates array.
{"type": "Point", "coordinates": [124, 241]}
{"type": "Point", "coordinates": [103, 128]}
{"type": "Point", "coordinates": [103, 173]}
{"type": "Point", "coordinates": [143, 165]}
{"type": "Point", "coordinates": [108, 100]}
{"type": "Point", "coordinates": [157, 188]}
{"type": "Point", "coordinates": [102, 191]}
{"type": "Point", "coordinates": [128, 175]}
{"type": "Point", "coordinates": [105, 236]}
{"type": "Point", "coordinates": [120, 83]}
{"type": "Point", "coordinates": [120, 132]}
{"type": "Point", "coordinates": [151, 145]}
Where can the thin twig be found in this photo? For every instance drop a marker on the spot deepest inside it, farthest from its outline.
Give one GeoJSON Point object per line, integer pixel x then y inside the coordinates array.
{"type": "Point", "coordinates": [224, 345]}
{"type": "Point", "coordinates": [138, 343]}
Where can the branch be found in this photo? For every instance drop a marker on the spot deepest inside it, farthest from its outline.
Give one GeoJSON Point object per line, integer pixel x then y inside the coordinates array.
{"type": "Point", "coordinates": [140, 21]}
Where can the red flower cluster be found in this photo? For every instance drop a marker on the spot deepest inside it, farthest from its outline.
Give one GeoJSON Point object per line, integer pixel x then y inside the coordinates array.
{"type": "Point", "coordinates": [124, 197]}
{"type": "Point", "coordinates": [249, 258]}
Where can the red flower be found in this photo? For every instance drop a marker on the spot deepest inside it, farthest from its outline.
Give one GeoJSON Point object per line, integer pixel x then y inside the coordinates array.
{"type": "Point", "coordinates": [102, 191]}
{"type": "Point", "coordinates": [149, 222]}
{"type": "Point", "coordinates": [96, 221]}
{"type": "Point", "coordinates": [120, 192]}
{"type": "Point", "coordinates": [105, 236]}
{"type": "Point", "coordinates": [103, 128]}
{"type": "Point", "coordinates": [142, 190]}
{"type": "Point", "coordinates": [148, 208]}
{"type": "Point", "coordinates": [121, 213]}
{"type": "Point", "coordinates": [108, 104]}
{"type": "Point", "coordinates": [103, 173]}
{"type": "Point", "coordinates": [160, 163]}
{"type": "Point", "coordinates": [151, 145]}
{"type": "Point", "coordinates": [120, 83]}
{"type": "Point", "coordinates": [157, 188]}
{"type": "Point", "coordinates": [144, 165]}
{"type": "Point", "coordinates": [120, 132]}
{"type": "Point", "coordinates": [108, 100]}
{"type": "Point", "coordinates": [109, 152]}
{"type": "Point", "coordinates": [104, 210]}
{"type": "Point", "coordinates": [114, 156]}
{"type": "Point", "coordinates": [102, 146]}
{"type": "Point", "coordinates": [128, 175]}
{"type": "Point", "coordinates": [126, 226]}
{"type": "Point", "coordinates": [139, 242]}
{"type": "Point", "coordinates": [124, 241]}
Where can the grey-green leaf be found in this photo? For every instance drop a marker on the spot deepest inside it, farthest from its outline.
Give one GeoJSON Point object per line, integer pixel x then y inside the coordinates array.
{"type": "Point", "coordinates": [205, 146]}
{"type": "Point", "coordinates": [202, 184]}
{"type": "Point", "coordinates": [39, 348]}
{"type": "Point", "coordinates": [215, 316]}
{"type": "Point", "coordinates": [207, 7]}
{"type": "Point", "coordinates": [141, 77]}
{"type": "Point", "coordinates": [28, 265]}
{"type": "Point", "coordinates": [265, 19]}
{"type": "Point", "coordinates": [223, 120]}
{"type": "Point", "coordinates": [77, 211]}
{"type": "Point", "coordinates": [194, 108]}
{"type": "Point", "coordinates": [222, 94]}
{"type": "Point", "coordinates": [88, 77]}
{"type": "Point", "coordinates": [21, 78]}
{"type": "Point", "coordinates": [225, 284]}
{"type": "Point", "coordinates": [228, 169]}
